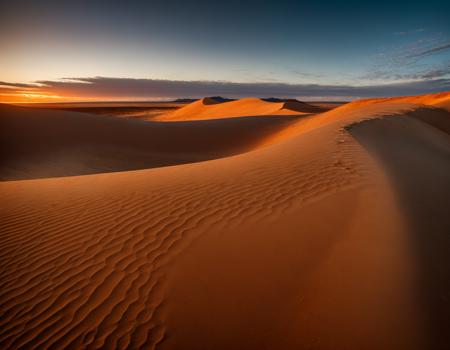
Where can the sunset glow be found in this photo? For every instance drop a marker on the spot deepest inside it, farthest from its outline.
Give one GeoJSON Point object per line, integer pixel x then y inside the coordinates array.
{"type": "Point", "coordinates": [21, 97]}
{"type": "Point", "coordinates": [159, 52]}
{"type": "Point", "coordinates": [220, 175]}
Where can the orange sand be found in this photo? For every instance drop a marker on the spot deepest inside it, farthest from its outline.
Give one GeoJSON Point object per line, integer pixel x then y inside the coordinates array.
{"type": "Point", "coordinates": [334, 235]}
{"type": "Point", "coordinates": [208, 108]}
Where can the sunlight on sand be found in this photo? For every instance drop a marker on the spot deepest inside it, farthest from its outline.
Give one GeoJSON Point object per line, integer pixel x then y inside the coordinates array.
{"type": "Point", "coordinates": [277, 226]}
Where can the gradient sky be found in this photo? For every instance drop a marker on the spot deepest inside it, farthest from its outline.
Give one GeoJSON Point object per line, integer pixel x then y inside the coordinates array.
{"type": "Point", "coordinates": [278, 48]}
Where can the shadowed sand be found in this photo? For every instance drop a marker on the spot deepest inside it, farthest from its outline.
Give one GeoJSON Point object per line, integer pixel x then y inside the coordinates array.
{"type": "Point", "coordinates": [332, 236]}
{"type": "Point", "coordinates": [39, 143]}
{"type": "Point", "coordinates": [425, 152]}
{"type": "Point", "coordinates": [135, 110]}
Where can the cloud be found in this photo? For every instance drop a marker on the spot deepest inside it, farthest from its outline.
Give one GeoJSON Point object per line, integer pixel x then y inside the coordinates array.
{"type": "Point", "coordinates": [411, 53]}
{"type": "Point", "coordinates": [147, 89]}
{"type": "Point", "coordinates": [431, 50]}
{"type": "Point", "coordinates": [420, 30]}
{"type": "Point", "coordinates": [306, 74]}
{"type": "Point", "coordinates": [7, 85]}
{"type": "Point", "coordinates": [430, 72]}
{"type": "Point", "coordinates": [423, 59]}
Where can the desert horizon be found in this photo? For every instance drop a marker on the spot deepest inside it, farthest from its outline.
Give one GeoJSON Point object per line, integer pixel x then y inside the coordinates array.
{"type": "Point", "coordinates": [180, 175]}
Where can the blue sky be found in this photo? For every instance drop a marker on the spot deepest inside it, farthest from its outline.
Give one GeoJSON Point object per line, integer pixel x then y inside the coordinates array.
{"type": "Point", "coordinates": [328, 43]}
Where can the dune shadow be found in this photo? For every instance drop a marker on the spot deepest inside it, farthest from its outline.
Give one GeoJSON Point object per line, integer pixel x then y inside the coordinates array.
{"type": "Point", "coordinates": [48, 143]}
{"type": "Point", "coordinates": [416, 158]}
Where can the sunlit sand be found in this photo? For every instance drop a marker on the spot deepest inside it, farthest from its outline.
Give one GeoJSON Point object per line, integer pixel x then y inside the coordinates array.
{"type": "Point", "coordinates": [222, 225]}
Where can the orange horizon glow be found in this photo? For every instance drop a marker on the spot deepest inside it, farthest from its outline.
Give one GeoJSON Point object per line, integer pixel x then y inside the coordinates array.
{"type": "Point", "coordinates": [45, 97]}
{"type": "Point", "coordinates": [28, 95]}
{"type": "Point", "coordinates": [36, 95]}
{"type": "Point", "coordinates": [37, 98]}
{"type": "Point", "coordinates": [17, 99]}
{"type": "Point", "coordinates": [29, 98]}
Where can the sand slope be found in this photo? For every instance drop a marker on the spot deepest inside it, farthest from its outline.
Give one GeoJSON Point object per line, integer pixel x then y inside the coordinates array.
{"type": "Point", "coordinates": [135, 110]}
{"type": "Point", "coordinates": [441, 100]}
{"type": "Point", "coordinates": [333, 237]}
{"type": "Point", "coordinates": [39, 143]}
{"type": "Point", "coordinates": [208, 108]}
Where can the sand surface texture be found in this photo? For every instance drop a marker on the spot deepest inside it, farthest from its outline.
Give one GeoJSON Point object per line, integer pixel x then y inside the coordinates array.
{"type": "Point", "coordinates": [320, 231]}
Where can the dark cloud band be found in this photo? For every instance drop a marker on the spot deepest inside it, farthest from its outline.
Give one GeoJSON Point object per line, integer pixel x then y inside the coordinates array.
{"type": "Point", "coordinates": [120, 88]}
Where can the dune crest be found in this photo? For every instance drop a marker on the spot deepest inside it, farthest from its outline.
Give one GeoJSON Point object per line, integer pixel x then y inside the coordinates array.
{"type": "Point", "coordinates": [209, 108]}
{"type": "Point", "coordinates": [441, 100]}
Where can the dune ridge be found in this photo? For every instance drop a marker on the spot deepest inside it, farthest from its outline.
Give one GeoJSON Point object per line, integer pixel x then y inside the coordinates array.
{"type": "Point", "coordinates": [441, 100]}
{"type": "Point", "coordinates": [310, 242]}
{"type": "Point", "coordinates": [209, 108]}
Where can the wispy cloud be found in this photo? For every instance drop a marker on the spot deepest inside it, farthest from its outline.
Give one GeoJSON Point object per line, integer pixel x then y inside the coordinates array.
{"type": "Point", "coordinates": [4, 84]}
{"type": "Point", "coordinates": [305, 74]}
{"type": "Point", "coordinates": [388, 74]}
{"type": "Point", "coordinates": [412, 52]}
{"type": "Point", "coordinates": [422, 59]}
{"type": "Point", "coordinates": [407, 32]}
{"type": "Point", "coordinates": [425, 51]}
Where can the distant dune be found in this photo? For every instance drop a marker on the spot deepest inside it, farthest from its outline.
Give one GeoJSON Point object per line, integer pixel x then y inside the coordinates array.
{"type": "Point", "coordinates": [334, 235]}
{"type": "Point", "coordinates": [210, 108]}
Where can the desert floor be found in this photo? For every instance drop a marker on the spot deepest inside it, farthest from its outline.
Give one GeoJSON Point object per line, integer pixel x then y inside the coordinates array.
{"type": "Point", "coordinates": [244, 224]}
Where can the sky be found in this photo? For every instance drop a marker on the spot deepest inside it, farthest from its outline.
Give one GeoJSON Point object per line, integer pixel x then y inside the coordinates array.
{"type": "Point", "coordinates": [152, 50]}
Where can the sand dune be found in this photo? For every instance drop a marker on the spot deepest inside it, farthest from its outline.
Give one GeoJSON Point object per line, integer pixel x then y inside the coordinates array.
{"type": "Point", "coordinates": [439, 100]}
{"type": "Point", "coordinates": [47, 143]}
{"type": "Point", "coordinates": [209, 108]}
{"type": "Point", "coordinates": [333, 236]}
{"type": "Point", "coordinates": [203, 109]}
